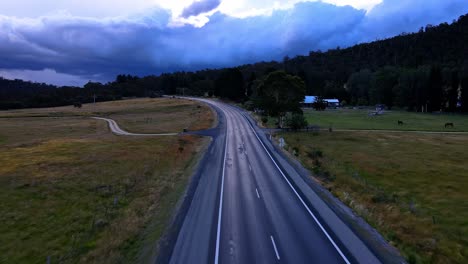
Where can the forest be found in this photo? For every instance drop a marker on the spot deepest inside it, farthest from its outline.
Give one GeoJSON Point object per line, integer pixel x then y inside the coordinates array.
{"type": "Point", "coordinates": [422, 71]}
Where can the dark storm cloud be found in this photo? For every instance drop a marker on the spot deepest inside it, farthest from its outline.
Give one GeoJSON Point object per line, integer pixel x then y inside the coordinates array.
{"type": "Point", "coordinates": [200, 7]}
{"type": "Point", "coordinates": [91, 47]}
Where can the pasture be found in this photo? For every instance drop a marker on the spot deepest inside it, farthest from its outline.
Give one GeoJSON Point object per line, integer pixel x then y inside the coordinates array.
{"type": "Point", "coordinates": [72, 192]}
{"type": "Point", "coordinates": [357, 119]}
{"type": "Point", "coordinates": [411, 187]}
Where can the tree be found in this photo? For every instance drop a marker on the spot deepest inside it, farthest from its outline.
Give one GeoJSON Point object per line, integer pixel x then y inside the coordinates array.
{"type": "Point", "coordinates": [383, 87]}
{"type": "Point", "coordinates": [464, 93]}
{"type": "Point", "coordinates": [435, 89]}
{"type": "Point", "coordinates": [279, 93]}
{"type": "Point", "coordinates": [453, 92]}
{"type": "Point", "coordinates": [320, 104]}
{"type": "Point", "coordinates": [297, 121]}
{"type": "Point", "coordinates": [230, 84]}
{"type": "Point", "coordinates": [358, 86]}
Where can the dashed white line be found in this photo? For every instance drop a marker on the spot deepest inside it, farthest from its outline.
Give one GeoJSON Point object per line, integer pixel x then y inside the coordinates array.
{"type": "Point", "coordinates": [274, 246]}
{"type": "Point", "coordinates": [250, 167]}
{"type": "Point", "coordinates": [298, 196]}
{"type": "Point", "coordinates": [258, 195]}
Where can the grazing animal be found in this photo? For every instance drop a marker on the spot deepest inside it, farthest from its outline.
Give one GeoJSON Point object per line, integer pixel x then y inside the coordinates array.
{"type": "Point", "coordinates": [447, 125]}
{"type": "Point", "coordinates": [400, 123]}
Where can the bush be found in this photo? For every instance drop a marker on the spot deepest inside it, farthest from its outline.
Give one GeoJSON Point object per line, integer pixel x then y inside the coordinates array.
{"type": "Point", "coordinates": [249, 105]}
{"type": "Point", "coordinates": [264, 119]}
{"type": "Point", "coordinates": [297, 121]}
{"type": "Point", "coordinates": [315, 154]}
{"type": "Point", "coordinates": [320, 104]}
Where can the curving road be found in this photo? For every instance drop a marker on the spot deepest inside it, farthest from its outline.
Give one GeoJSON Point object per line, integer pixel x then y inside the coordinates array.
{"type": "Point", "coordinates": [114, 127]}
{"type": "Point", "coordinates": [251, 208]}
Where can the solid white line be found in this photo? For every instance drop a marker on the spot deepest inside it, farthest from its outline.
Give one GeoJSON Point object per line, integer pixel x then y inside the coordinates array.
{"type": "Point", "coordinates": [274, 246]}
{"type": "Point", "coordinates": [258, 195]}
{"type": "Point", "coordinates": [298, 196]}
{"type": "Point", "coordinates": [218, 235]}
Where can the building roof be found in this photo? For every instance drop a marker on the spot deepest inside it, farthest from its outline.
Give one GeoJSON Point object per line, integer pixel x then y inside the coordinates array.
{"type": "Point", "coordinates": [309, 99]}
{"type": "Point", "coordinates": [336, 101]}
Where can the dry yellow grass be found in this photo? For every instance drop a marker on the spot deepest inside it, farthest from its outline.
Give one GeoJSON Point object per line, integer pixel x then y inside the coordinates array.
{"type": "Point", "coordinates": [156, 115]}
{"type": "Point", "coordinates": [72, 191]}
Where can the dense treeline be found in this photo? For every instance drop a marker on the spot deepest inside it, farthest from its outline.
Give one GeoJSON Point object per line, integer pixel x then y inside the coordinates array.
{"type": "Point", "coordinates": [423, 71]}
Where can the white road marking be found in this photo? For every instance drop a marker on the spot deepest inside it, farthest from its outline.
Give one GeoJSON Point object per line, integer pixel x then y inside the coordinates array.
{"type": "Point", "coordinates": [274, 246]}
{"type": "Point", "coordinates": [218, 235]}
{"type": "Point", "coordinates": [299, 197]}
{"type": "Point", "coordinates": [250, 167]}
{"type": "Point", "coordinates": [258, 195]}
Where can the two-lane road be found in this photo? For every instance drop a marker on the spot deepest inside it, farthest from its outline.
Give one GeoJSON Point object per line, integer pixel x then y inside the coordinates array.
{"type": "Point", "coordinates": [257, 216]}
{"type": "Point", "coordinates": [261, 218]}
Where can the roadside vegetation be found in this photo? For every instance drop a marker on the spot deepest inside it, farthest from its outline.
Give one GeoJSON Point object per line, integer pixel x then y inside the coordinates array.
{"type": "Point", "coordinates": [411, 187]}
{"type": "Point", "coordinates": [72, 192]}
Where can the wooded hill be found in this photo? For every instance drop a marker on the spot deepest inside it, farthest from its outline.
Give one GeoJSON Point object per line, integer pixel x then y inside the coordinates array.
{"type": "Point", "coordinates": [427, 69]}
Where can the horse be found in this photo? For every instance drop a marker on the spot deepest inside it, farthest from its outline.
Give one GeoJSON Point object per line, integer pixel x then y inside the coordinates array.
{"type": "Point", "coordinates": [447, 125]}
{"type": "Point", "coordinates": [400, 123]}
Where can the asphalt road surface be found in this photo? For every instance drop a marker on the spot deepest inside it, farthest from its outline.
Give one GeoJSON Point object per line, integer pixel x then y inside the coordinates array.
{"type": "Point", "coordinates": [248, 209]}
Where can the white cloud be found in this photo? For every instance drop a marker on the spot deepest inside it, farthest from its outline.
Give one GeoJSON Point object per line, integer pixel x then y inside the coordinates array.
{"type": "Point", "coordinates": [125, 8]}
{"type": "Point", "coordinates": [359, 4]}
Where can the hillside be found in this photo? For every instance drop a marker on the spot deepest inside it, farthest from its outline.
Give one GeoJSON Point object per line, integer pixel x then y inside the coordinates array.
{"type": "Point", "coordinates": [424, 69]}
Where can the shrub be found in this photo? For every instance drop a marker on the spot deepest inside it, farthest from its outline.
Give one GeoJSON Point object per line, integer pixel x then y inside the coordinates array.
{"type": "Point", "coordinates": [297, 121]}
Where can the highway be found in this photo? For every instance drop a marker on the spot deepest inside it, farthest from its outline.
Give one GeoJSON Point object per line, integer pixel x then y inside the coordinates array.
{"type": "Point", "coordinates": [246, 208]}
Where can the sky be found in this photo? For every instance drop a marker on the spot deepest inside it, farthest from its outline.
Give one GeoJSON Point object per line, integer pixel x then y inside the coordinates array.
{"type": "Point", "coordinates": [71, 42]}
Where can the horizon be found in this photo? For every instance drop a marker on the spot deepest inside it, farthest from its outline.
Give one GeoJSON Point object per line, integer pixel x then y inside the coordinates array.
{"type": "Point", "coordinates": [66, 45]}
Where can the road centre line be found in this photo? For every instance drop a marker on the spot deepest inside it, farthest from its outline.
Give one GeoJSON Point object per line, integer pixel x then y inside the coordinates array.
{"type": "Point", "coordinates": [274, 246]}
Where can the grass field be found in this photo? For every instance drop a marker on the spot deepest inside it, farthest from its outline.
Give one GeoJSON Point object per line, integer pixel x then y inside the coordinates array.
{"type": "Point", "coordinates": [360, 119]}
{"type": "Point", "coordinates": [411, 187]}
{"type": "Point", "coordinates": [73, 192]}
{"type": "Point", "coordinates": [159, 115]}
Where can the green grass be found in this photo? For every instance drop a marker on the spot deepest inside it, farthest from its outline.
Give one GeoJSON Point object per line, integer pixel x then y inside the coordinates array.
{"type": "Point", "coordinates": [411, 187]}
{"type": "Point", "coordinates": [360, 119]}
{"type": "Point", "coordinates": [72, 191]}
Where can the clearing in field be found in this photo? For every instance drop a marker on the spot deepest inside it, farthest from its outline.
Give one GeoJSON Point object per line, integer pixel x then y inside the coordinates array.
{"type": "Point", "coordinates": [70, 191]}
{"type": "Point", "coordinates": [411, 187]}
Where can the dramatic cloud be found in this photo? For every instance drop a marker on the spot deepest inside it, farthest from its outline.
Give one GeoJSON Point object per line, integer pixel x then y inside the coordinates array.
{"type": "Point", "coordinates": [200, 7]}
{"type": "Point", "coordinates": [150, 43]}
